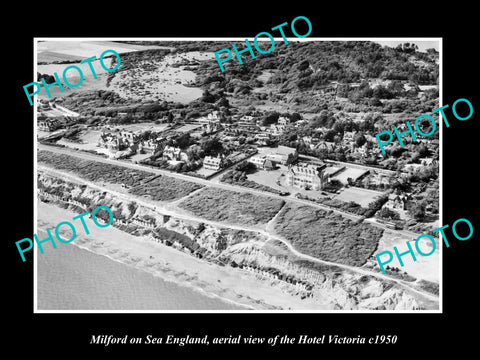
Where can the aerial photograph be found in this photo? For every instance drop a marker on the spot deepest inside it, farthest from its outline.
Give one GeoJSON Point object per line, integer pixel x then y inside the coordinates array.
{"type": "Point", "coordinates": [259, 188]}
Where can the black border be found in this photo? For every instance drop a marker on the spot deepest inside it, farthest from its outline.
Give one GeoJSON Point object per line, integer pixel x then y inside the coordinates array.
{"type": "Point", "coordinates": [417, 333]}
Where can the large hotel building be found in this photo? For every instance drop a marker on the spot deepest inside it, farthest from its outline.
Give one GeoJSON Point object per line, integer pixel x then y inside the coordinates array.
{"type": "Point", "coordinates": [308, 176]}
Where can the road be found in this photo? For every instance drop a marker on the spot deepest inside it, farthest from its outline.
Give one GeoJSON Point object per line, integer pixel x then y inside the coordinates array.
{"type": "Point", "coordinates": [267, 231]}
{"type": "Point", "coordinates": [125, 163]}
{"type": "Point", "coordinates": [409, 235]}
{"type": "Point", "coordinates": [204, 182]}
{"type": "Point", "coordinates": [404, 284]}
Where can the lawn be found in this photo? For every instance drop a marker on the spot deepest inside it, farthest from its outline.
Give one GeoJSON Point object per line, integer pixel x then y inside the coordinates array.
{"type": "Point", "coordinates": [361, 196]}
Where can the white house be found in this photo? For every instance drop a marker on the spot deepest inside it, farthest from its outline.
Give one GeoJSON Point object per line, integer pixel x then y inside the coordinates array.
{"type": "Point", "coordinates": [213, 163]}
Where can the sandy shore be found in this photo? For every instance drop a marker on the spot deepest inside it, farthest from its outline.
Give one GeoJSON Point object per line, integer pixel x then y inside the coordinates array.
{"type": "Point", "coordinates": [228, 283]}
{"type": "Point", "coordinates": [165, 82]}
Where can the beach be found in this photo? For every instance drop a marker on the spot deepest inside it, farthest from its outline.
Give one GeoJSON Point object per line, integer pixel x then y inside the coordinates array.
{"type": "Point", "coordinates": [231, 287]}
{"type": "Point", "coordinates": [73, 278]}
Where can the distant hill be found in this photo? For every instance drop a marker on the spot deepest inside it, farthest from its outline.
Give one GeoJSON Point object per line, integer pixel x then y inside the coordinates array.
{"type": "Point", "coordinates": [308, 65]}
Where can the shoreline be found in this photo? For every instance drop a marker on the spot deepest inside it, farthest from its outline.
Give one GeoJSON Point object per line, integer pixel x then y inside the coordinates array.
{"type": "Point", "coordinates": [194, 288]}
{"type": "Point", "coordinates": [224, 283]}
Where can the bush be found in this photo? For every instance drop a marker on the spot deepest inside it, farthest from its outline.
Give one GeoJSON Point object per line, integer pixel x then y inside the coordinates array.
{"type": "Point", "coordinates": [387, 213]}
{"type": "Point", "coordinates": [246, 167]}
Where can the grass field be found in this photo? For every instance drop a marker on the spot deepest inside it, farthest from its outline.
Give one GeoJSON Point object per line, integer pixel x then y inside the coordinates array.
{"type": "Point", "coordinates": [361, 196]}
{"type": "Point", "coordinates": [165, 188]}
{"type": "Point", "coordinates": [231, 206]}
{"type": "Point", "coordinates": [327, 236]}
{"type": "Point", "coordinates": [161, 188]}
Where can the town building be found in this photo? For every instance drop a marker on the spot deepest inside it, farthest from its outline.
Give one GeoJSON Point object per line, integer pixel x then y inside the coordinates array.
{"type": "Point", "coordinates": [263, 139]}
{"type": "Point", "coordinates": [213, 163]}
{"type": "Point", "coordinates": [48, 125]}
{"type": "Point", "coordinates": [307, 176]}
{"type": "Point", "coordinates": [276, 129]}
{"type": "Point", "coordinates": [398, 201]}
{"type": "Point", "coordinates": [283, 154]}
{"type": "Point", "coordinates": [311, 141]}
{"type": "Point", "coordinates": [258, 160]}
{"type": "Point", "coordinates": [283, 121]}
{"type": "Point", "coordinates": [248, 125]}
{"type": "Point", "coordinates": [211, 127]}
{"type": "Point", "coordinates": [150, 146]}
{"type": "Point", "coordinates": [129, 137]}
{"type": "Point", "coordinates": [173, 153]}
{"type": "Point", "coordinates": [214, 116]}
{"type": "Point", "coordinates": [348, 137]}
{"type": "Point", "coordinates": [261, 162]}
{"type": "Point", "coordinates": [326, 146]}
{"type": "Point", "coordinates": [363, 150]}
{"type": "Point", "coordinates": [111, 142]}
{"type": "Point", "coordinates": [269, 165]}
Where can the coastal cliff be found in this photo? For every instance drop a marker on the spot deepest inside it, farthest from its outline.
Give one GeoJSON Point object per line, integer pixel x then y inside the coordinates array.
{"type": "Point", "coordinates": [253, 253]}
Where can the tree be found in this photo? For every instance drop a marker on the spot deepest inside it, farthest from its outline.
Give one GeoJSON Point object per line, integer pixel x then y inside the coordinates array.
{"type": "Point", "coordinates": [132, 208]}
{"type": "Point", "coordinates": [359, 139]}
{"type": "Point", "coordinates": [212, 147]}
{"type": "Point", "coordinates": [207, 97]}
{"type": "Point", "coordinates": [146, 135]}
{"type": "Point", "coordinates": [303, 65]}
{"type": "Point", "coordinates": [407, 47]}
{"type": "Point", "coordinates": [194, 153]}
{"type": "Point", "coordinates": [387, 213]}
{"type": "Point", "coordinates": [329, 135]}
{"type": "Point", "coordinates": [295, 117]}
{"type": "Point", "coordinates": [246, 167]}
{"type": "Point", "coordinates": [422, 150]}
{"type": "Point", "coordinates": [417, 210]}
{"type": "Point", "coordinates": [381, 92]}
{"type": "Point", "coordinates": [290, 159]}
{"type": "Point", "coordinates": [270, 118]}
{"type": "Point", "coordinates": [183, 140]}
{"type": "Point", "coordinates": [48, 78]}
{"type": "Point", "coordinates": [223, 102]}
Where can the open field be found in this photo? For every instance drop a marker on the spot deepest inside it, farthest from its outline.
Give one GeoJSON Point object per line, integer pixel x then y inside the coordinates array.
{"type": "Point", "coordinates": [268, 178]}
{"type": "Point", "coordinates": [88, 140]}
{"type": "Point", "coordinates": [92, 170]}
{"type": "Point", "coordinates": [164, 188]}
{"type": "Point", "coordinates": [143, 126]}
{"type": "Point", "coordinates": [327, 236]}
{"type": "Point", "coordinates": [231, 206]}
{"type": "Point", "coordinates": [363, 197]}
{"type": "Point", "coordinates": [161, 188]}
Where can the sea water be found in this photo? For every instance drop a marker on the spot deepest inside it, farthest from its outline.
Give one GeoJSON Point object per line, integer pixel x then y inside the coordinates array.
{"type": "Point", "coordinates": [71, 278]}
